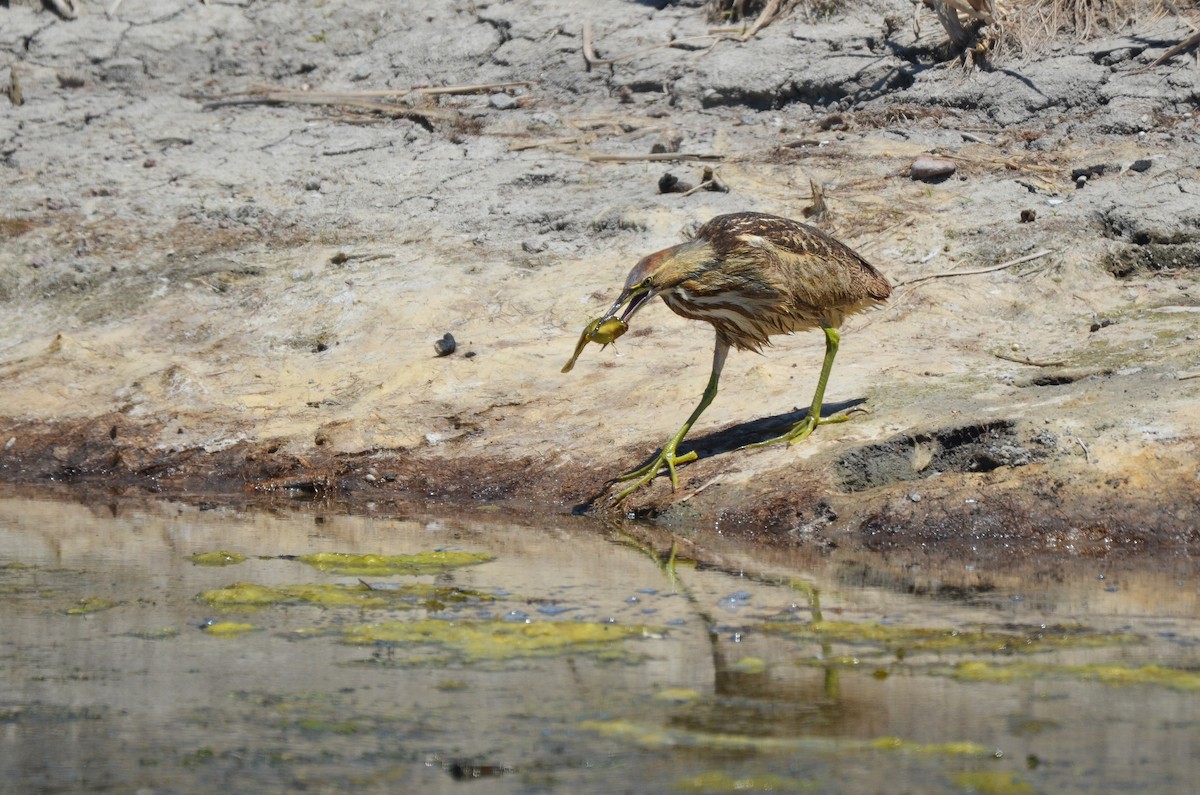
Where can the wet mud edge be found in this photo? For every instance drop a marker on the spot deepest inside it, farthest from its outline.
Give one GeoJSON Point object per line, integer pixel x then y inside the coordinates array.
{"type": "Point", "coordinates": [1000, 506]}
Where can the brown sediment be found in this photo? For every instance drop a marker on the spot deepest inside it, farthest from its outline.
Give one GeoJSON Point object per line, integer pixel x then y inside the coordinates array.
{"type": "Point", "coordinates": [1005, 518]}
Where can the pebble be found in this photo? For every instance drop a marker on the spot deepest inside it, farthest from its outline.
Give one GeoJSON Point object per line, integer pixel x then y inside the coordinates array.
{"type": "Point", "coordinates": [446, 345]}
{"type": "Point", "coordinates": [927, 168]}
{"type": "Point", "coordinates": [502, 101]}
{"type": "Point", "coordinates": [669, 183]}
{"type": "Point", "coordinates": [534, 245]}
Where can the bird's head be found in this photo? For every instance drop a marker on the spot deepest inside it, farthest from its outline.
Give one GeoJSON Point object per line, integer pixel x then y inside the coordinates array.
{"type": "Point", "coordinates": [658, 273]}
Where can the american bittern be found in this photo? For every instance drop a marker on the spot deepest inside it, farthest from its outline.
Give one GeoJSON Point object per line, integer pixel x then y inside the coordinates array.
{"type": "Point", "coordinates": [751, 276]}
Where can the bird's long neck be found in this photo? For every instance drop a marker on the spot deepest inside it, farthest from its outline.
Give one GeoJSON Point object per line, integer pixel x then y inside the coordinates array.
{"type": "Point", "coordinates": [684, 264]}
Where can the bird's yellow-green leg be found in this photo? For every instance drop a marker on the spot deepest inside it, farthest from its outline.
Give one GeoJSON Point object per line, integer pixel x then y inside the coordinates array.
{"type": "Point", "coordinates": [666, 457]}
{"type": "Point", "coordinates": [804, 427]}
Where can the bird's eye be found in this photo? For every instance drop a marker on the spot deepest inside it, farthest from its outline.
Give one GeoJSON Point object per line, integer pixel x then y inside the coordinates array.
{"type": "Point", "coordinates": [648, 282]}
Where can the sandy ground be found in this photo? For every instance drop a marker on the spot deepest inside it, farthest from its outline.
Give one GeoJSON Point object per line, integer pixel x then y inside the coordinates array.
{"type": "Point", "coordinates": [207, 292]}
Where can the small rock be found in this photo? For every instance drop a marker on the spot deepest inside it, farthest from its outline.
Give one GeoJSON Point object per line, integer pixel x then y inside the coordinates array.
{"type": "Point", "coordinates": [926, 168]}
{"type": "Point", "coordinates": [1098, 170]}
{"type": "Point", "coordinates": [1100, 323]}
{"type": "Point", "coordinates": [669, 183]}
{"type": "Point", "coordinates": [1028, 216]}
{"type": "Point", "coordinates": [914, 496]}
{"type": "Point", "coordinates": [534, 245]}
{"type": "Point", "coordinates": [1140, 165]}
{"type": "Point", "coordinates": [502, 101]}
{"type": "Point", "coordinates": [312, 184]}
{"type": "Point", "coordinates": [149, 162]}
{"type": "Point", "coordinates": [446, 345]}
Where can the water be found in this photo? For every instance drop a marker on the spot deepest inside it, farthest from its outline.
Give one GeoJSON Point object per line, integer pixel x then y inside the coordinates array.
{"type": "Point", "coordinates": [577, 659]}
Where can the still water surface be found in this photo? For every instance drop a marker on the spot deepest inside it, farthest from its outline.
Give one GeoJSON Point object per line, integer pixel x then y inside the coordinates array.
{"type": "Point", "coordinates": [564, 658]}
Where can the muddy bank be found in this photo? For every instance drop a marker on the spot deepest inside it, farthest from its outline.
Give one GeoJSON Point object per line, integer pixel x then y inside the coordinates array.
{"type": "Point", "coordinates": [1002, 506]}
{"type": "Point", "coordinates": [214, 287]}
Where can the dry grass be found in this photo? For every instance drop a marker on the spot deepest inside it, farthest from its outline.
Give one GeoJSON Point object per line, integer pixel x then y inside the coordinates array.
{"type": "Point", "coordinates": [726, 12]}
{"type": "Point", "coordinates": [993, 29]}
{"type": "Point", "coordinates": [1026, 27]}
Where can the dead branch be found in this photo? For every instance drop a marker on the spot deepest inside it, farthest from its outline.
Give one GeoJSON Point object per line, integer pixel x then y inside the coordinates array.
{"type": "Point", "coordinates": [765, 17]}
{"type": "Point", "coordinates": [1030, 362]}
{"type": "Point", "coordinates": [1186, 44]}
{"type": "Point", "coordinates": [655, 156]}
{"type": "Point", "coordinates": [344, 100]}
{"type": "Point", "coordinates": [976, 271]}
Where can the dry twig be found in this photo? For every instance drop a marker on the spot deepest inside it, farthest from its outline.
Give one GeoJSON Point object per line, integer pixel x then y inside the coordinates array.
{"type": "Point", "coordinates": [976, 271]}
{"type": "Point", "coordinates": [356, 100]}
{"type": "Point", "coordinates": [1186, 44]}
{"type": "Point", "coordinates": [1030, 362]}
{"type": "Point", "coordinates": [765, 17]}
{"type": "Point", "coordinates": [654, 156]}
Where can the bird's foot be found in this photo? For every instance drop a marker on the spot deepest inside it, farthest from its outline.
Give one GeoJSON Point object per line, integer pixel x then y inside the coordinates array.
{"type": "Point", "coordinates": [643, 475]}
{"type": "Point", "coordinates": [801, 430]}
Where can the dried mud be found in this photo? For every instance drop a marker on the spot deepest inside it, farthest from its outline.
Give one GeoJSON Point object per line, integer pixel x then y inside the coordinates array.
{"type": "Point", "coordinates": [214, 297]}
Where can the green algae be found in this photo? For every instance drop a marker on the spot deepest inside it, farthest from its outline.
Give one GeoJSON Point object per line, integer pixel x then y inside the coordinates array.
{"type": "Point", "coordinates": [750, 665]}
{"type": "Point", "coordinates": [677, 695]}
{"type": "Point", "coordinates": [961, 748]}
{"type": "Point", "coordinates": [719, 781]}
{"type": "Point", "coordinates": [653, 736]}
{"type": "Point", "coordinates": [386, 565]}
{"type": "Point", "coordinates": [252, 596]}
{"type": "Point", "coordinates": [228, 629]}
{"type": "Point", "coordinates": [989, 782]}
{"type": "Point", "coordinates": [901, 640]}
{"type": "Point", "coordinates": [1114, 675]}
{"type": "Point", "coordinates": [89, 605]}
{"type": "Point", "coordinates": [473, 641]}
{"type": "Point", "coordinates": [217, 558]}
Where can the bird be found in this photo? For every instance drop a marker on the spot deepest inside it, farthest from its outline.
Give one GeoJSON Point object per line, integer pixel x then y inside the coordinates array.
{"type": "Point", "coordinates": [751, 276]}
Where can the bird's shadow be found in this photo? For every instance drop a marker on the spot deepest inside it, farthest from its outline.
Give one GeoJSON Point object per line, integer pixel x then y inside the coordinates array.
{"type": "Point", "coordinates": [732, 438]}
{"type": "Point", "coordinates": [763, 429]}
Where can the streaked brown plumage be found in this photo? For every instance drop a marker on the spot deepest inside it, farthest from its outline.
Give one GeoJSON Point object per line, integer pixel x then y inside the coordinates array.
{"type": "Point", "coordinates": [752, 276]}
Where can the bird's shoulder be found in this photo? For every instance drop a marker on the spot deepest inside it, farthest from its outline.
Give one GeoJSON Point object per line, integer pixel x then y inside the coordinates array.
{"type": "Point", "coordinates": [761, 230]}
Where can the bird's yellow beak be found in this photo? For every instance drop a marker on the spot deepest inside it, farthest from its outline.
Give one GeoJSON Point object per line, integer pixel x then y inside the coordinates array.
{"type": "Point", "coordinates": [634, 297]}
